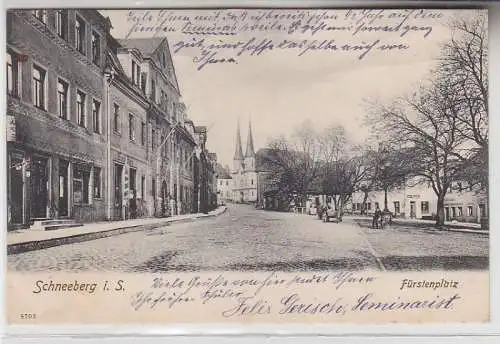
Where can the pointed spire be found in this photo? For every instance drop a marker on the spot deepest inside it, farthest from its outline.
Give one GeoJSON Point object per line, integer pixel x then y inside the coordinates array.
{"type": "Point", "coordinates": [238, 153]}
{"type": "Point", "coordinates": [250, 152]}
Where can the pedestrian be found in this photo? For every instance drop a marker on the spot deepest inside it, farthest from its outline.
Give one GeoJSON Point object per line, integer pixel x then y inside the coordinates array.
{"type": "Point", "coordinates": [376, 216]}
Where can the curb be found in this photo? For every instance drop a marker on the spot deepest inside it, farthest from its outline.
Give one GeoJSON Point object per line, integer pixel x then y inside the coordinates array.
{"type": "Point", "coordinates": [73, 239]}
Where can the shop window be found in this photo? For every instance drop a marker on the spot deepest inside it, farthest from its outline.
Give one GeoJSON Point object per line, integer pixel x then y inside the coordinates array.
{"type": "Point", "coordinates": [97, 182]}
{"type": "Point", "coordinates": [81, 178]}
{"type": "Point", "coordinates": [424, 207]}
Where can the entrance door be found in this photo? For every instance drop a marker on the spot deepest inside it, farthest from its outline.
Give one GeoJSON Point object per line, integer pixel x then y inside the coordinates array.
{"type": "Point", "coordinates": [16, 190]}
{"type": "Point", "coordinates": [39, 188]}
{"type": "Point", "coordinates": [447, 214]}
{"type": "Point", "coordinates": [63, 188]}
{"type": "Point", "coordinates": [241, 196]}
{"type": "Point", "coordinates": [118, 191]}
{"type": "Point", "coordinates": [413, 213]}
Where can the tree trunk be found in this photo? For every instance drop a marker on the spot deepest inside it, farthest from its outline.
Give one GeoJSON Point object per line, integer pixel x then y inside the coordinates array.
{"type": "Point", "coordinates": [440, 212]}
{"type": "Point", "coordinates": [365, 197]}
{"type": "Point", "coordinates": [386, 208]}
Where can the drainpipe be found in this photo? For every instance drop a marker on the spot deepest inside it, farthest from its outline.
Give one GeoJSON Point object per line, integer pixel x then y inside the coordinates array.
{"type": "Point", "coordinates": [109, 76]}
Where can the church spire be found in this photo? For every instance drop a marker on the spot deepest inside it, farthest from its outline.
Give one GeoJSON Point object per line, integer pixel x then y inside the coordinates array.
{"type": "Point", "coordinates": [238, 153]}
{"type": "Point", "coordinates": [250, 152]}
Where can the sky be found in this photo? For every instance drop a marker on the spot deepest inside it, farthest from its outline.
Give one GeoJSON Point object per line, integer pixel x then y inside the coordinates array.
{"type": "Point", "coordinates": [280, 90]}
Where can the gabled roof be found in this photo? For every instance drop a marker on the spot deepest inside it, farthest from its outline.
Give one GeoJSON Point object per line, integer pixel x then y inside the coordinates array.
{"type": "Point", "coordinates": [147, 46]}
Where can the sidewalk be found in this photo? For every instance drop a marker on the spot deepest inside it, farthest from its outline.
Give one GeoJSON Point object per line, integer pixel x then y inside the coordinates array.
{"type": "Point", "coordinates": [450, 226]}
{"type": "Point", "coordinates": [29, 239]}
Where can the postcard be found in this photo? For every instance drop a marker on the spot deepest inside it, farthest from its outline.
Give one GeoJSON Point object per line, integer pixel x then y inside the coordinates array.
{"type": "Point", "coordinates": [247, 166]}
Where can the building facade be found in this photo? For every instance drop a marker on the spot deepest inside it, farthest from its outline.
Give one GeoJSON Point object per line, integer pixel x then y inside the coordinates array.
{"type": "Point", "coordinates": [55, 84]}
{"type": "Point", "coordinates": [96, 126]}
{"type": "Point", "coordinates": [244, 173]}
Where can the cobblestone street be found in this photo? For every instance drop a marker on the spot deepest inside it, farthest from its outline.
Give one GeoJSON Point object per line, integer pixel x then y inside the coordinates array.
{"type": "Point", "coordinates": [247, 239]}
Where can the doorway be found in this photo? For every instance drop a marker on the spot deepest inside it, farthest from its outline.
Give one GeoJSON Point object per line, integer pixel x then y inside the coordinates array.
{"type": "Point", "coordinates": [118, 191]}
{"type": "Point", "coordinates": [413, 213]}
{"type": "Point", "coordinates": [16, 189]}
{"type": "Point", "coordinates": [447, 214]}
{"type": "Point", "coordinates": [39, 187]}
{"type": "Point", "coordinates": [63, 188]}
{"type": "Point", "coordinates": [241, 197]}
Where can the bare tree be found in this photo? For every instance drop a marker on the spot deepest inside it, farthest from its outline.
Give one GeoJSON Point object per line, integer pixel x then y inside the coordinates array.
{"type": "Point", "coordinates": [293, 161]}
{"type": "Point", "coordinates": [463, 68]}
{"type": "Point", "coordinates": [426, 129]}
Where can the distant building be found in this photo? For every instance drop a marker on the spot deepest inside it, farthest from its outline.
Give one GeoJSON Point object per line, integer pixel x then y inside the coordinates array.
{"type": "Point", "coordinates": [244, 174]}
{"type": "Point", "coordinates": [224, 185]}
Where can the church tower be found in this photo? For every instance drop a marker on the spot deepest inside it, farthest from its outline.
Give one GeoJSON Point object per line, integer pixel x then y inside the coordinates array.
{"type": "Point", "coordinates": [238, 153]}
{"type": "Point", "coordinates": [250, 151]}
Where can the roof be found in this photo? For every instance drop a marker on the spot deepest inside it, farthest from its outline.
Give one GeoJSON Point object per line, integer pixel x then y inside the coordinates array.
{"type": "Point", "coordinates": [146, 46]}
{"type": "Point", "coordinates": [222, 172]}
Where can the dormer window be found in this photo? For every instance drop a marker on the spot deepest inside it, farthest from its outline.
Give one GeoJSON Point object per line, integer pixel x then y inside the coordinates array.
{"type": "Point", "coordinates": [136, 74]}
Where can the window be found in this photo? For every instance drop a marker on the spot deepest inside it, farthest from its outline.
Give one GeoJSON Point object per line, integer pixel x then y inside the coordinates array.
{"type": "Point", "coordinates": [136, 74]}
{"type": "Point", "coordinates": [80, 35]}
{"type": "Point", "coordinates": [133, 189]}
{"type": "Point", "coordinates": [12, 74]}
{"type": "Point", "coordinates": [424, 207]}
{"type": "Point", "coordinates": [39, 90]}
{"type": "Point", "coordinates": [131, 129]}
{"type": "Point", "coordinates": [469, 210]}
{"type": "Point", "coordinates": [96, 48]}
{"type": "Point", "coordinates": [81, 177]}
{"type": "Point", "coordinates": [153, 138]}
{"type": "Point", "coordinates": [41, 15]}
{"type": "Point", "coordinates": [144, 77]}
{"type": "Point", "coordinates": [369, 206]}
{"type": "Point", "coordinates": [62, 23]}
{"type": "Point", "coordinates": [459, 211]}
{"type": "Point", "coordinates": [227, 183]}
{"type": "Point", "coordinates": [62, 98]}
{"type": "Point", "coordinates": [116, 118]}
{"type": "Point", "coordinates": [80, 108]}
{"type": "Point", "coordinates": [143, 186]}
{"type": "Point", "coordinates": [153, 90]}
{"type": "Point", "coordinates": [97, 182]}
{"type": "Point", "coordinates": [143, 133]}
{"type": "Point", "coordinates": [96, 116]}
{"type": "Point", "coordinates": [453, 212]}
{"type": "Point", "coordinates": [252, 181]}
{"type": "Point", "coordinates": [396, 207]}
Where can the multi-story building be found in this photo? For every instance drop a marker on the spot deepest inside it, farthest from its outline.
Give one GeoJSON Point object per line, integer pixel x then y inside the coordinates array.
{"type": "Point", "coordinates": [55, 84]}
{"type": "Point", "coordinates": [97, 129]}
{"type": "Point", "coordinates": [148, 63]}
{"type": "Point", "coordinates": [224, 184]}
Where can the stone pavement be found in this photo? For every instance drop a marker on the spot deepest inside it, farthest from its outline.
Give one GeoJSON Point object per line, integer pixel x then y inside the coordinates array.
{"type": "Point", "coordinates": [29, 239]}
